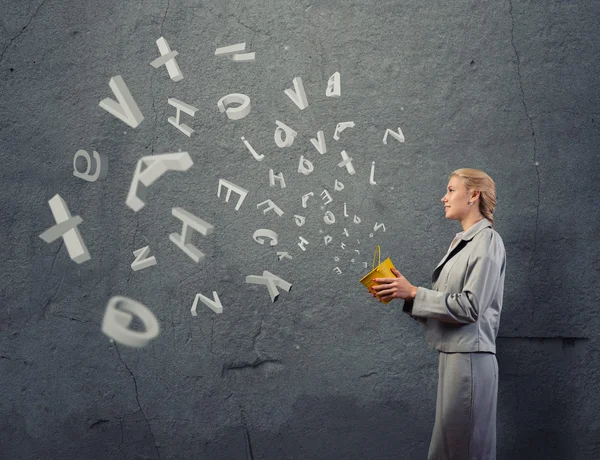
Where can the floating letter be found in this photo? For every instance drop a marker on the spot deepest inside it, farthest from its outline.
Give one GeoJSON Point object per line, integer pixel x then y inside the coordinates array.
{"type": "Point", "coordinates": [101, 166]}
{"type": "Point", "coordinates": [126, 109]}
{"type": "Point", "coordinates": [327, 239]}
{"type": "Point", "coordinates": [235, 113]}
{"type": "Point", "coordinates": [305, 198]}
{"type": "Point", "coordinates": [378, 226]}
{"type": "Point", "coordinates": [215, 305]}
{"type": "Point", "coordinates": [256, 156]}
{"type": "Point", "coordinates": [233, 52]}
{"type": "Point", "coordinates": [320, 144]}
{"type": "Point", "coordinates": [270, 206]}
{"type": "Point", "coordinates": [267, 233]}
{"type": "Point", "coordinates": [345, 214]}
{"type": "Point", "coordinates": [371, 180]}
{"type": "Point", "coordinates": [237, 189]}
{"type": "Point", "coordinates": [271, 281]}
{"type": "Point", "coordinates": [334, 87]}
{"type": "Point", "coordinates": [66, 226]}
{"type": "Point", "coordinates": [299, 220]}
{"type": "Point", "coordinates": [183, 241]}
{"type": "Point", "coordinates": [290, 135]}
{"type": "Point", "coordinates": [329, 218]}
{"type": "Point", "coordinates": [157, 165]}
{"type": "Point", "coordinates": [345, 232]}
{"type": "Point", "coordinates": [338, 186]}
{"type": "Point", "coordinates": [343, 245]}
{"type": "Point", "coordinates": [138, 263]}
{"type": "Point", "coordinates": [327, 196]}
{"type": "Point", "coordinates": [278, 176]}
{"type": "Point", "coordinates": [338, 270]}
{"type": "Point", "coordinates": [167, 57]}
{"type": "Point", "coordinates": [298, 96]}
{"type": "Point", "coordinates": [283, 254]}
{"type": "Point", "coordinates": [356, 219]}
{"type": "Point", "coordinates": [305, 166]}
{"type": "Point", "coordinates": [397, 135]}
{"type": "Point", "coordinates": [347, 162]}
{"type": "Point", "coordinates": [115, 322]}
{"type": "Point", "coordinates": [189, 109]}
{"type": "Point", "coordinates": [302, 243]}
{"type": "Point", "coordinates": [341, 127]}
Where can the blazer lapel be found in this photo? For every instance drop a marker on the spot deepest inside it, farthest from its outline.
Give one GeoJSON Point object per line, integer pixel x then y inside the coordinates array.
{"type": "Point", "coordinates": [467, 236]}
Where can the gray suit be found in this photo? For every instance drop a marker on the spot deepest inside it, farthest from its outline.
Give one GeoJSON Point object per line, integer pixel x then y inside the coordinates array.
{"type": "Point", "coordinates": [461, 314]}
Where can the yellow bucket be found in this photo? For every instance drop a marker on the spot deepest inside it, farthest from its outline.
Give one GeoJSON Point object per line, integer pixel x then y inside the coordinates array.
{"type": "Point", "coordinates": [383, 270]}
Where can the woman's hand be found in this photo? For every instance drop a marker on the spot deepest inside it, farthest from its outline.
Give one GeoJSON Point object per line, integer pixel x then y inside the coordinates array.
{"type": "Point", "coordinates": [393, 288]}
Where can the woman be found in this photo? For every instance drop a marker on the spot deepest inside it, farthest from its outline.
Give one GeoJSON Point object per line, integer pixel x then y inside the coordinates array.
{"type": "Point", "coordinates": [461, 314]}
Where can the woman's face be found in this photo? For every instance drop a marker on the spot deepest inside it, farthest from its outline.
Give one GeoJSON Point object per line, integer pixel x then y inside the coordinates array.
{"type": "Point", "coordinates": [456, 199]}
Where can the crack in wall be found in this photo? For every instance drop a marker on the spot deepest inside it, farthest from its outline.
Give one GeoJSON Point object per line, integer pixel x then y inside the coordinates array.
{"type": "Point", "coordinates": [535, 162]}
{"type": "Point", "coordinates": [249, 453]}
{"type": "Point", "coordinates": [22, 30]}
{"type": "Point", "coordinates": [138, 400]}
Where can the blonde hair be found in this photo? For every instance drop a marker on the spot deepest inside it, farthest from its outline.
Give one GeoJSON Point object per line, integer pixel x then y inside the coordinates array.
{"type": "Point", "coordinates": [477, 180]}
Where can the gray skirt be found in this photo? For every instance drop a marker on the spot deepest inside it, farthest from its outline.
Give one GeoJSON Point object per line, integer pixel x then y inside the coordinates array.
{"type": "Point", "coordinates": [465, 413]}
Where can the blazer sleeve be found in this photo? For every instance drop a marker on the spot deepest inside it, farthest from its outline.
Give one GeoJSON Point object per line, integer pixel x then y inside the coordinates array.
{"type": "Point", "coordinates": [407, 308]}
{"type": "Point", "coordinates": [481, 281]}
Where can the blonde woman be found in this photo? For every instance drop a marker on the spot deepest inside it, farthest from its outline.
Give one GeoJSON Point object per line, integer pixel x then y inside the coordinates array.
{"type": "Point", "coordinates": [461, 314]}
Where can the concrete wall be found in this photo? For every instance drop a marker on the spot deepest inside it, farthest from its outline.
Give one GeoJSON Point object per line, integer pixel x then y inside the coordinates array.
{"type": "Point", "coordinates": [325, 372]}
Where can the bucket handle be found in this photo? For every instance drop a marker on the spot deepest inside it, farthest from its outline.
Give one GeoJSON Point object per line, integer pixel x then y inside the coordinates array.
{"type": "Point", "coordinates": [377, 253]}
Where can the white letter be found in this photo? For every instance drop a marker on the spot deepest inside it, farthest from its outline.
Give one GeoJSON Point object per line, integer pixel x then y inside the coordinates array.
{"type": "Point", "coordinates": [371, 180]}
{"type": "Point", "coordinates": [305, 198]}
{"type": "Point", "coordinates": [378, 226]}
{"type": "Point", "coordinates": [283, 254]}
{"type": "Point", "coordinates": [338, 186]}
{"type": "Point", "coordinates": [256, 156]}
{"type": "Point", "coordinates": [365, 264]}
{"type": "Point", "coordinates": [237, 189]}
{"type": "Point", "coordinates": [299, 96]}
{"type": "Point", "coordinates": [278, 176]}
{"type": "Point", "coordinates": [299, 220]}
{"type": "Point", "coordinates": [157, 165]}
{"type": "Point", "coordinates": [334, 87]}
{"type": "Point", "coordinates": [326, 195]}
{"type": "Point", "coordinates": [329, 218]}
{"type": "Point", "coordinates": [397, 135]}
{"type": "Point", "coordinates": [66, 226]}
{"type": "Point", "coordinates": [345, 232]}
{"type": "Point", "coordinates": [271, 281]}
{"type": "Point", "coordinates": [270, 206]}
{"type": "Point", "coordinates": [126, 109]}
{"type": "Point", "coordinates": [338, 270]}
{"type": "Point", "coordinates": [235, 113]}
{"type": "Point", "coordinates": [138, 263]}
{"type": "Point", "coordinates": [215, 305]}
{"type": "Point", "coordinates": [233, 52]}
{"type": "Point", "coordinates": [302, 242]}
{"type": "Point", "coordinates": [320, 144]}
{"type": "Point", "coordinates": [356, 219]}
{"type": "Point", "coordinates": [265, 232]}
{"type": "Point", "coordinates": [347, 162]}
{"type": "Point", "coordinates": [189, 109]}
{"type": "Point", "coordinates": [327, 239]}
{"type": "Point", "coordinates": [341, 127]}
{"type": "Point", "coordinates": [115, 322]}
{"type": "Point", "coordinates": [345, 214]}
{"type": "Point", "coordinates": [101, 166]}
{"type": "Point", "coordinates": [167, 57]}
{"type": "Point", "coordinates": [343, 245]}
{"type": "Point", "coordinates": [305, 166]}
{"type": "Point", "coordinates": [183, 241]}
{"type": "Point", "coordinates": [290, 135]}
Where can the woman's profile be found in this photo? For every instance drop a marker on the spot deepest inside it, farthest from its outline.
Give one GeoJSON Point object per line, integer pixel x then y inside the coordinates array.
{"type": "Point", "coordinates": [461, 314]}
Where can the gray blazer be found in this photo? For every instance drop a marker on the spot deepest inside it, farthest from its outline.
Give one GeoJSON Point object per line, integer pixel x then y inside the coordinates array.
{"type": "Point", "coordinates": [461, 312]}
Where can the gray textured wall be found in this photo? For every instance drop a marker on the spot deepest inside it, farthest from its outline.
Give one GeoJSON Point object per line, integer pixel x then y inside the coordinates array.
{"type": "Point", "coordinates": [325, 371]}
